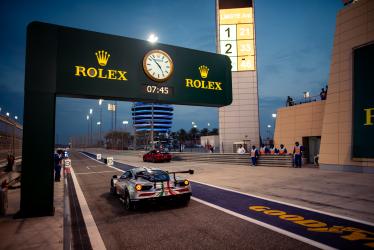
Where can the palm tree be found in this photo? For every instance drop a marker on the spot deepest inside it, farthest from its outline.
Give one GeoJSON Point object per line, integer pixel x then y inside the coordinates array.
{"type": "Point", "coordinates": [194, 132]}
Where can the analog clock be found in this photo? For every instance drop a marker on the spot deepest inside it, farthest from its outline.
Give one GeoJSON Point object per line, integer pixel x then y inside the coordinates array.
{"type": "Point", "coordinates": [158, 65]}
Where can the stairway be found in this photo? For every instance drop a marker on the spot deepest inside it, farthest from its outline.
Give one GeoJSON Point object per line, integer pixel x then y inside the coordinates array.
{"type": "Point", "coordinates": [244, 159]}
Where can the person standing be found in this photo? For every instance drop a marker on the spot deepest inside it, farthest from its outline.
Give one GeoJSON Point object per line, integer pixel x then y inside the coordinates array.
{"type": "Point", "coordinates": [58, 163]}
{"type": "Point", "coordinates": [254, 155]}
{"type": "Point", "coordinates": [298, 152]}
{"type": "Point", "coordinates": [9, 166]}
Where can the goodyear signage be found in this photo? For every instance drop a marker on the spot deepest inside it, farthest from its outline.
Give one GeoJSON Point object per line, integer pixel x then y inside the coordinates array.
{"type": "Point", "coordinates": [94, 64]}
{"type": "Point", "coordinates": [323, 230]}
{"type": "Point", "coordinates": [363, 102]}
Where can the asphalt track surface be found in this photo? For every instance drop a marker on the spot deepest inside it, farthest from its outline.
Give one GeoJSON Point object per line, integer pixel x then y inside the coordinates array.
{"type": "Point", "coordinates": [167, 226]}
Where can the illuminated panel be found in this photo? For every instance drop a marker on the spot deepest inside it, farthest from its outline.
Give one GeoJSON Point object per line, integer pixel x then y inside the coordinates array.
{"type": "Point", "coordinates": [236, 34]}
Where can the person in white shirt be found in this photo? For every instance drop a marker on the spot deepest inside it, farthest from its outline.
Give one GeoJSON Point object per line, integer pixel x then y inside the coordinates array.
{"type": "Point", "coordinates": [241, 150]}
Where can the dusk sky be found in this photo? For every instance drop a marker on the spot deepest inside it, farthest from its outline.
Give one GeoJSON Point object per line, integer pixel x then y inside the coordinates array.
{"type": "Point", "coordinates": [294, 46]}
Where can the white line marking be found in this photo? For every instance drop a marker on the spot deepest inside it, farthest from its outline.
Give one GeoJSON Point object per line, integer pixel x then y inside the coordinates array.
{"type": "Point", "coordinates": [93, 172]}
{"type": "Point", "coordinates": [262, 224]}
{"type": "Point", "coordinates": [289, 204]}
{"type": "Point", "coordinates": [282, 202]}
{"type": "Point", "coordinates": [92, 230]}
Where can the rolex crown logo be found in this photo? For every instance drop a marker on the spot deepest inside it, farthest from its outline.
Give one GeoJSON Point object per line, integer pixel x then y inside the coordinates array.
{"type": "Point", "coordinates": [204, 71]}
{"type": "Point", "coordinates": [102, 57]}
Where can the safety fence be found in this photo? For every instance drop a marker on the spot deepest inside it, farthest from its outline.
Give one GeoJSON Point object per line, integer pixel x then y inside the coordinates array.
{"type": "Point", "coordinates": [10, 138]}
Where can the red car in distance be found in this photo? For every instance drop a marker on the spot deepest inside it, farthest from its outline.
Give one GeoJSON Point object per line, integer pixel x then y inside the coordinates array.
{"type": "Point", "coordinates": [157, 156]}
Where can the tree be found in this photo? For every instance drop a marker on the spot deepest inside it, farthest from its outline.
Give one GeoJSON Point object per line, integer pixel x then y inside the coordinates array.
{"type": "Point", "coordinates": [214, 131]}
{"type": "Point", "coordinates": [182, 135]}
{"type": "Point", "coordinates": [193, 134]}
{"type": "Point", "coordinates": [204, 131]}
{"type": "Point", "coordinates": [117, 140]}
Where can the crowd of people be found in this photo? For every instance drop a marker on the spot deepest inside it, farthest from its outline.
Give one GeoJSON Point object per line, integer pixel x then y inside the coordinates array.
{"type": "Point", "coordinates": [272, 150]}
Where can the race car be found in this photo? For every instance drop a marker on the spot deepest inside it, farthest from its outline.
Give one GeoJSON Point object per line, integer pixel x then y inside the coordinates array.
{"type": "Point", "coordinates": [139, 185]}
{"type": "Point", "coordinates": [157, 156]}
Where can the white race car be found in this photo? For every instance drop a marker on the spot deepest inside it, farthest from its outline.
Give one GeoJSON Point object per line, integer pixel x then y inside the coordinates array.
{"type": "Point", "coordinates": [144, 184]}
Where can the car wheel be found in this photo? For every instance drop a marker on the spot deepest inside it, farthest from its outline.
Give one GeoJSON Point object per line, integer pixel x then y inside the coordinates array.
{"type": "Point", "coordinates": [154, 160]}
{"type": "Point", "coordinates": [144, 159]}
{"type": "Point", "coordinates": [127, 202]}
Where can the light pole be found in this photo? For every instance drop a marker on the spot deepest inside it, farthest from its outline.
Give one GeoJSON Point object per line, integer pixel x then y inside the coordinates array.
{"type": "Point", "coordinates": [101, 118]}
{"type": "Point", "coordinates": [152, 128]}
{"type": "Point", "coordinates": [88, 129]}
{"type": "Point", "coordinates": [91, 114]}
{"type": "Point", "coordinates": [123, 134]}
{"type": "Point", "coordinates": [269, 126]}
{"type": "Point", "coordinates": [274, 117]}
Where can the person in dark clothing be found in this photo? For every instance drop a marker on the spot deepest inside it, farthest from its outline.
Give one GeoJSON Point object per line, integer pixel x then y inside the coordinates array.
{"type": "Point", "coordinates": [323, 94]}
{"type": "Point", "coordinates": [254, 155]}
{"type": "Point", "coordinates": [9, 166]}
{"type": "Point", "coordinates": [58, 163]}
{"type": "Point", "coordinates": [289, 101]}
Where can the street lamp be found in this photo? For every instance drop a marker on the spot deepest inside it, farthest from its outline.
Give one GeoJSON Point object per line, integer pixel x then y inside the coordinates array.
{"type": "Point", "coordinates": [88, 129]}
{"type": "Point", "coordinates": [152, 38]}
{"type": "Point", "coordinates": [7, 114]}
{"type": "Point", "coordinates": [16, 117]}
{"type": "Point", "coordinates": [101, 112]}
{"type": "Point", "coordinates": [123, 139]}
{"type": "Point", "coordinates": [274, 115]}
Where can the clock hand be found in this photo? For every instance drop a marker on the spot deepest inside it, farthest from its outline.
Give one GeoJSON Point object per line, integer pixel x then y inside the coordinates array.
{"type": "Point", "coordinates": [158, 65]}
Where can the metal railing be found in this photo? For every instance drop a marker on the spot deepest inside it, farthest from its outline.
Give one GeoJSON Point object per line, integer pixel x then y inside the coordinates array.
{"type": "Point", "coordinates": [305, 100]}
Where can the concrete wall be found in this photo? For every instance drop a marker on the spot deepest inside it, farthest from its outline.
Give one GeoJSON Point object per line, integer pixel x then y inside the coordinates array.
{"type": "Point", "coordinates": [298, 121]}
{"type": "Point", "coordinates": [354, 27]}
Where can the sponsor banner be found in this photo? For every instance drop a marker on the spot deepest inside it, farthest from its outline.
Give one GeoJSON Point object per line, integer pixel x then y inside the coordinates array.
{"type": "Point", "coordinates": [363, 102]}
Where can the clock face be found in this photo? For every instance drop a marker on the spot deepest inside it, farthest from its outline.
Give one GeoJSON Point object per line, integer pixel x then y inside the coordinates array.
{"type": "Point", "coordinates": [158, 65]}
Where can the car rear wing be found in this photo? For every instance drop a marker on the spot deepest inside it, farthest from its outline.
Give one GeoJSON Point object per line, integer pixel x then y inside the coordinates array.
{"type": "Point", "coordinates": [190, 171]}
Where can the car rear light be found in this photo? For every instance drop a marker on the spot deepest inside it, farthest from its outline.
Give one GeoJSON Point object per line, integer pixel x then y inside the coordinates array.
{"type": "Point", "coordinates": [183, 190]}
{"type": "Point", "coordinates": [146, 194]}
{"type": "Point", "coordinates": [138, 187]}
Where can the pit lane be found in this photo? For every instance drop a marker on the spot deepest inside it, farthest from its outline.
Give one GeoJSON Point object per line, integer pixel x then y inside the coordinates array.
{"type": "Point", "coordinates": [158, 226]}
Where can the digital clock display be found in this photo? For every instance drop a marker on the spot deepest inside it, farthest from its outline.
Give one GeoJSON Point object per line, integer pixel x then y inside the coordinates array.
{"type": "Point", "coordinates": [162, 90]}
